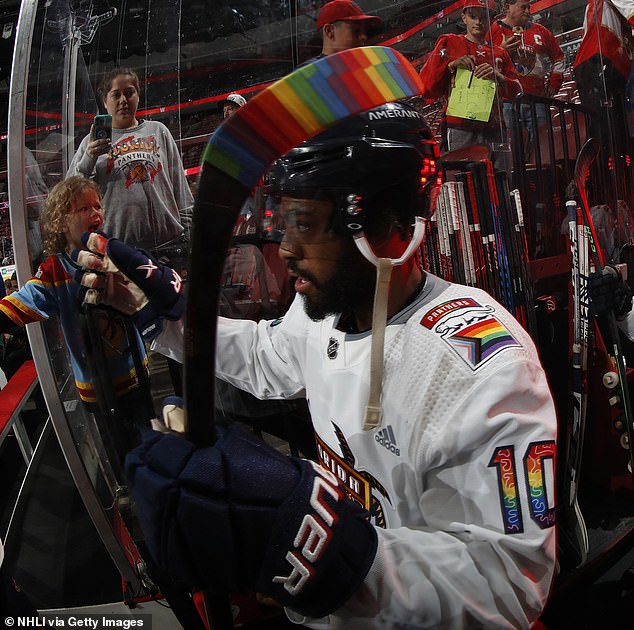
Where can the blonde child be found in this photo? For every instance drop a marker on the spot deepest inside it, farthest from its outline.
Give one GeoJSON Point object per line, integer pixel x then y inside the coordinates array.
{"type": "Point", "coordinates": [73, 209]}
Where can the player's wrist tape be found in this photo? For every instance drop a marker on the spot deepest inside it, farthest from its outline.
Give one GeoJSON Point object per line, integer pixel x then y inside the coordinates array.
{"type": "Point", "coordinates": [241, 515]}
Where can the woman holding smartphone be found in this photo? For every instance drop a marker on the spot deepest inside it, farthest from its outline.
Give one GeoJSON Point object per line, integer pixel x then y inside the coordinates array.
{"type": "Point", "coordinates": [138, 168]}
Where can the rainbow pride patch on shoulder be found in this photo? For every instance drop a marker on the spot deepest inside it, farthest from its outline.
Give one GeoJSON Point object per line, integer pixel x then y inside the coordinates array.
{"type": "Point", "coordinates": [470, 329]}
{"type": "Point", "coordinates": [305, 103]}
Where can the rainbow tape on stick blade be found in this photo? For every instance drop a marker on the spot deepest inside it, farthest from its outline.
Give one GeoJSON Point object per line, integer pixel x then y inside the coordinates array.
{"type": "Point", "coordinates": [305, 103]}
{"type": "Point", "coordinates": [288, 112]}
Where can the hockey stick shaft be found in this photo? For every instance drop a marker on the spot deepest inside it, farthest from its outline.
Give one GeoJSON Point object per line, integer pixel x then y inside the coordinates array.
{"type": "Point", "coordinates": [586, 157]}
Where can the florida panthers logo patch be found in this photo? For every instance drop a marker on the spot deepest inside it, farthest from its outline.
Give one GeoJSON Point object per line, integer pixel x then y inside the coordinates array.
{"type": "Point", "coordinates": [524, 59]}
{"type": "Point", "coordinates": [470, 330]}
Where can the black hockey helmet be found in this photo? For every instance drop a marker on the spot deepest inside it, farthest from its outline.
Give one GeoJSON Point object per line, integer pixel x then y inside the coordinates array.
{"type": "Point", "coordinates": [386, 153]}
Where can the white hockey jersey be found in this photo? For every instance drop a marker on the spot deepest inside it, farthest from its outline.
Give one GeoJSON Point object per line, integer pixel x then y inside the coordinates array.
{"type": "Point", "coordinates": [458, 477]}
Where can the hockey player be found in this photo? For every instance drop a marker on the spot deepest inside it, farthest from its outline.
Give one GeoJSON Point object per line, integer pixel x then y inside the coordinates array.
{"type": "Point", "coordinates": [473, 52]}
{"type": "Point", "coordinates": [436, 508]}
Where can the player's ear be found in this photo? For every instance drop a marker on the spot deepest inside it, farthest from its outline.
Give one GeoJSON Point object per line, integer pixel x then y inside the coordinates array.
{"type": "Point", "coordinates": [380, 226]}
{"type": "Point", "coordinates": [329, 31]}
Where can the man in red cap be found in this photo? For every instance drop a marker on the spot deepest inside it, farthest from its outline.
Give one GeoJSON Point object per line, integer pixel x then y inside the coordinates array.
{"type": "Point", "coordinates": [484, 60]}
{"type": "Point", "coordinates": [344, 25]}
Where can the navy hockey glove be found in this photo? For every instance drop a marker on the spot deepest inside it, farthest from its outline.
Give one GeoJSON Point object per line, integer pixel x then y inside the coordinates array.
{"type": "Point", "coordinates": [241, 516]}
{"type": "Point", "coordinates": [130, 280]}
{"type": "Point", "coordinates": [609, 292]}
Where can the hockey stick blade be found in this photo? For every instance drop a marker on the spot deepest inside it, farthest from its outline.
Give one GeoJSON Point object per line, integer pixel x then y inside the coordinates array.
{"type": "Point", "coordinates": [585, 159]}
{"type": "Point", "coordinates": [285, 114]}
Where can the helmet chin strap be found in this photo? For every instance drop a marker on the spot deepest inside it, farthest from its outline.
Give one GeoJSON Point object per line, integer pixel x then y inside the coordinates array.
{"type": "Point", "coordinates": [384, 267]}
{"type": "Point", "coordinates": [417, 238]}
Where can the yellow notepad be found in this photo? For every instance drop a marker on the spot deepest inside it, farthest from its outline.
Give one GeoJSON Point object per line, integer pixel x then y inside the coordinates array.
{"type": "Point", "coordinates": [471, 97]}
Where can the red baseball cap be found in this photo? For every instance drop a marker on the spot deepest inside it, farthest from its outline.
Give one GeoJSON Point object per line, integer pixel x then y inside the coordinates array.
{"type": "Point", "coordinates": [345, 10]}
{"type": "Point", "coordinates": [480, 4]}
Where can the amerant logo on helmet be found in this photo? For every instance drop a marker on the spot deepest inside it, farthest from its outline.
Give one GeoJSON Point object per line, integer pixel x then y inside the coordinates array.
{"type": "Point", "coordinates": [393, 113]}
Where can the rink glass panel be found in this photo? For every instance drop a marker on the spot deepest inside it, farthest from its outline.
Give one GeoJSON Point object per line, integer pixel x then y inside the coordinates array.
{"type": "Point", "coordinates": [189, 56]}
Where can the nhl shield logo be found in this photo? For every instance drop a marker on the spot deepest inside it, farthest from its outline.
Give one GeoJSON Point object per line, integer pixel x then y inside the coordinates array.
{"type": "Point", "coordinates": [333, 348]}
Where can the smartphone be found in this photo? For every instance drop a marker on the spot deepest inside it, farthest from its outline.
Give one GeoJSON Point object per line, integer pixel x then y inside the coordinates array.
{"type": "Point", "coordinates": [102, 127]}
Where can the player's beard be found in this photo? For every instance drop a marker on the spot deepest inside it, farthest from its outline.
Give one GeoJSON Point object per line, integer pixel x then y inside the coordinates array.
{"type": "Point", "coordinates": [348, 290]}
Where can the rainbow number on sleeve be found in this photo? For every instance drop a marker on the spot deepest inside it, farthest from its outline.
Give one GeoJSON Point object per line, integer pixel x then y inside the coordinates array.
{"type": "Point", "coordinates": [306, 102]}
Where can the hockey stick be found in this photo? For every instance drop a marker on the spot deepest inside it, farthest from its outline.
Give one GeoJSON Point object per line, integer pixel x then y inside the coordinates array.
{"type": "Point", "coordinates": [444, 243]}
{"type": "Point", "coordinates": [462, 227]}
{"type": "Point", "coordinates": [508, 224]}
{"type": "Point", "coordinates": [478, 171]}
{"type": "Point", "coordinates": [477, 241]}
{"type": "Point", "coordinates": [522, 244]}
{"type": "Point", "coordinates": [579, 394]}
{"type": "Point", "coordinates": [282, 116]}
{"type": "Point", "coordinates": [279, 118]}
{"type": "Point", "coordinates": [586, 157]}
{"type": "Point", "coordinates": [501, 242]}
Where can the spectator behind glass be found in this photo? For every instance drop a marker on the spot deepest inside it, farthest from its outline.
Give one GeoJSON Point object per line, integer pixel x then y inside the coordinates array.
{"type": "Point", "coordinates": [602, 69]}
{"type": "Point", "coordinates": [344, 25]}
{"type": "Point", "coordinates": [74, 207]}
{"type": "Point", "coordinates": [537, 57]}
{"type": "Point", "coordinates": [472, 52]}
{"type": "Point", "coordinates": [139, 171]}
{"type": "Point", "coordinates": [231, 104]}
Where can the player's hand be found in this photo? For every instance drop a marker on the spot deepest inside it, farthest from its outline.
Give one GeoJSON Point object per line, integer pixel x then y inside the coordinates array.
{"type": "Point", "coordinates": [95, 148]}
{"type": "Point", "coordinates": [130, 280]}
{"type": "Point", "coordinates": [609, 292]}
{"type": "Point", "coordinates": [241, 516]}
{"type": "Point", "coordinates": [468, 62]}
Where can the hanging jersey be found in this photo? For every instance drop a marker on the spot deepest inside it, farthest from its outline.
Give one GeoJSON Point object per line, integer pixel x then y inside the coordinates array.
{"type": "Point", "coordinates": [607, 31]}
{"type": "Point", "coordinates": [538, 59]}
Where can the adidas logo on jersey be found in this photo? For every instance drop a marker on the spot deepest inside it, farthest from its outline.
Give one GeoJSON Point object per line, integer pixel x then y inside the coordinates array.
{"type": "Point", "coordinates": [385, 437]}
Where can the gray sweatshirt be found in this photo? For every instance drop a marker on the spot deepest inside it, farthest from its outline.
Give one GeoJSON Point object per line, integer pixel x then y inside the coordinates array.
{"type": "Point", "coordinates": [147, 201]}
